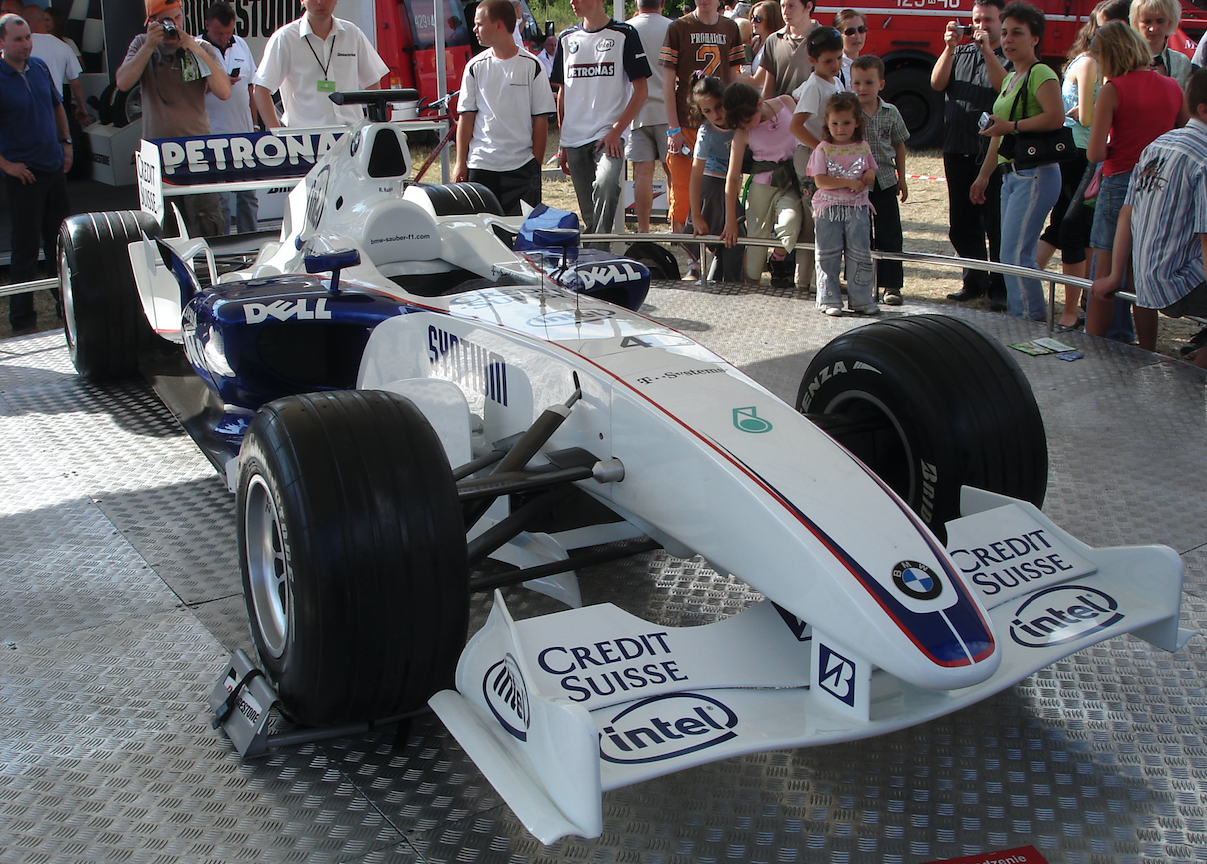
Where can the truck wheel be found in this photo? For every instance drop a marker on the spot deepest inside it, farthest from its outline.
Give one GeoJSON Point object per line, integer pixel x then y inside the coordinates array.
{"type": "Point", "coordinates": [352, 549]}
{"type": "Point", "coordinates": [921, 107]}
{"type": "Point", "coordinates": [103, 316]}
{"type": "Point", "coordinates": [930, 404]}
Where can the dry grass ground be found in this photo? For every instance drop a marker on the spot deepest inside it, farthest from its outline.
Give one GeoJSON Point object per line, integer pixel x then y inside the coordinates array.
{"type": "Point", "coordinates": [924, 217]}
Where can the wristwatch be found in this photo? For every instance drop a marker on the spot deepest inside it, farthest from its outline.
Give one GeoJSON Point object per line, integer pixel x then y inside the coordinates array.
{"type": "Point", "coordinates": [64, 140]}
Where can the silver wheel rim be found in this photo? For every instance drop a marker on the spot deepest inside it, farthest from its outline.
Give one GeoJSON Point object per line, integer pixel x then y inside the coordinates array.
{"type": "Point", "coordinates": [267, 567]}
{"type": "Point", "coordinates": [67, 299]}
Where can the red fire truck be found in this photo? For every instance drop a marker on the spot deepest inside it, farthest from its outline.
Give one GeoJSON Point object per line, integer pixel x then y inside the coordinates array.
{"type": "Point", "coordinates": [908, 36]}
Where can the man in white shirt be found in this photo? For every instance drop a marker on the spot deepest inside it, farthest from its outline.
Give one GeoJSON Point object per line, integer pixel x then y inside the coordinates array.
{"type": "Point", "coordinates": [58, 57]}
{"type": "Point", "coordinates": [311, 58]}
{"type": "Point", "coordinates": [505, 105]}
{"type": "Point", "coordinates": [545, 55]}
{"type": "Point", "coordinates": [233, 114]}
{"type": "Point", "coordinates": [647, 141]}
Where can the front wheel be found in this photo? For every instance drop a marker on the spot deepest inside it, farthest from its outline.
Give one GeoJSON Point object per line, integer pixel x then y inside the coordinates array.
{"type": "Point", "coordinates": [353, 556]}
{"type": "Point", "coordinates": [930, 404]}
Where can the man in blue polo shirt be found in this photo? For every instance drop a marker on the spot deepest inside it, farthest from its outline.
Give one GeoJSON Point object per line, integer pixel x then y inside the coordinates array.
{"type": "Point", "coordinates": [35, 154]}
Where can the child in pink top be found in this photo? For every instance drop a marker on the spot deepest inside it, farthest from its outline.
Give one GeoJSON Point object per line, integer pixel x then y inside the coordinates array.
{"type": "Point", "coordinates": [773, 201]}
{"type": "Point", "coordinates": [843, 168]}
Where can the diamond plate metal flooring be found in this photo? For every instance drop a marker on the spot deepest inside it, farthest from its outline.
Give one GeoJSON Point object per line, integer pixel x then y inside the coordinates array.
{"type": "Point", "coordinates": [119, 603]}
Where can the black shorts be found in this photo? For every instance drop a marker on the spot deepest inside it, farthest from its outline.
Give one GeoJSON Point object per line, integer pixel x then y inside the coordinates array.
{"type": "Point", "coordinates": [511, 187]}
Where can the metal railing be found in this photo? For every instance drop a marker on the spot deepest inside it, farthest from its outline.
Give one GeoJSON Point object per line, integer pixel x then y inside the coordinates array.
{"type": "Point", "coordinates": [951, 261]}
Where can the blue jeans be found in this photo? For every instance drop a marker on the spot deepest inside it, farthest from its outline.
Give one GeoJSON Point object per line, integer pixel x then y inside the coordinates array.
{"type": "Point", "coordinates": [247, 210]}
{"type": "Point", "coordinates": [835, 228]}
{"type": "Point", "coordinates": [1027, 197]}
{"type": "Point", "coordinates": [1112, 191]}
{"type": "Point", "coordinates": [596, 179]}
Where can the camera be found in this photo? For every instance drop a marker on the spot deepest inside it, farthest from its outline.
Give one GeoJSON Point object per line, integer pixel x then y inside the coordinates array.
{"type": "Point", "coordinates": [966, 29]}
{"type": "Point", "coordinates": [985, 122]}
{"type": "Point", "coordinates": [169, 29]}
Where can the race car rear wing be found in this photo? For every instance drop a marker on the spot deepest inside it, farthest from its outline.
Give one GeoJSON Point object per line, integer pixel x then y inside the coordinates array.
{"type": "Point", "coordinates": [170, 167]}
{"type": "Point", "coordinates": [556, 710]}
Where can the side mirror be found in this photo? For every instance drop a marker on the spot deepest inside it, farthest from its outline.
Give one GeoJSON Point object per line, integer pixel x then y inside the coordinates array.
{"type": "Point", "coordinates": [333, 261]}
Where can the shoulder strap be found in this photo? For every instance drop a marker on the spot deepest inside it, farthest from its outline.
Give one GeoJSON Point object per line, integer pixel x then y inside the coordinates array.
{"type": "Point", "coordinates": [1022, 89]}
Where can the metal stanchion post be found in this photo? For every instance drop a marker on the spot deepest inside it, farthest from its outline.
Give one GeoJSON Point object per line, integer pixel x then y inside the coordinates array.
{"type": "Point", "coordinates": [703, 279]}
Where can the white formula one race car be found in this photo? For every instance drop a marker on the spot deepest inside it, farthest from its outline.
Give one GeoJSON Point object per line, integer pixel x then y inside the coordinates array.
{"type": "Point", "coordinates": [390, 427]}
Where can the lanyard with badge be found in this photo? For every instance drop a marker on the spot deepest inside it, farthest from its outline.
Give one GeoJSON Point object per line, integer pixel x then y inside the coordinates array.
{"type": "Point", "coordinates": [325, 85]}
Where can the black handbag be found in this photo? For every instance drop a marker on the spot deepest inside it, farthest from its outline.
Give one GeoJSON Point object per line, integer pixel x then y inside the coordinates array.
{"type": "Point", "coordinates": [1031, 149]}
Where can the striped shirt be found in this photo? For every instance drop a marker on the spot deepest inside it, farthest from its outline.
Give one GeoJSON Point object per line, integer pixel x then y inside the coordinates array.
{"type": "Point", "coordinates": [885, 128]}
{"type": "Point", "coordinates": [1169, 188]}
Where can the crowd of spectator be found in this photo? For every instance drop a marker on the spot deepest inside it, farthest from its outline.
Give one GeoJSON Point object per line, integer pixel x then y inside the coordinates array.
{"type": "Point", "coordinates": [764, 120]}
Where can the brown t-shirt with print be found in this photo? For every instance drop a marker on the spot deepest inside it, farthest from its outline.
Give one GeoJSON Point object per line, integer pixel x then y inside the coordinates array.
{"type": "Point", "coordinates": [691, 46]}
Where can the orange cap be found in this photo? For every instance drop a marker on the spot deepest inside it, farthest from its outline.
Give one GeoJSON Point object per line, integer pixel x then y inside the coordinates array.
{"type": "Point", "coordinates": [155, 8]}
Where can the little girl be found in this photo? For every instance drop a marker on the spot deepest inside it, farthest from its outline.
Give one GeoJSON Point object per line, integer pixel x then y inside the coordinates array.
{"type": "Point", "coordinates": [843, 169]}
{"type": "Point", "coordinates": [709, 167]}
{"type": "Point", "coordinates": [773, 202]}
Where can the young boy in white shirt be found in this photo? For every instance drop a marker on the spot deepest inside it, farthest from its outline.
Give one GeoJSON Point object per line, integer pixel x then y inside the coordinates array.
{"type": "Point", "coordinates": [505, 105]}
{"type": "Point", "coordinates": [825, 50]}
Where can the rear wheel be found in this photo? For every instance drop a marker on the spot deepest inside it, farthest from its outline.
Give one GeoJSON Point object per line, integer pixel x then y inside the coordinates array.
{"type": "Point", "coordinates": [352, 548]}
{"type": "Point", "coordinates": [660, 262]}
{"type": "Point", "coordinates": [930, 404]}
{"type": "Point", "coordinates": [103, 316]}
{"type": "Point", "coordinates": [921, 106]}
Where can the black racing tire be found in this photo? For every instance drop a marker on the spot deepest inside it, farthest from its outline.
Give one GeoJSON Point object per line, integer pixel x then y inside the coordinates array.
{"type": "Point", "coordinates": [921, 106]}
{"type": "Point", "coordinates": [353, 555]}
{"type": "Point", "coordinates": [103, 317]}
{"type": "Point", "coordinates": [930, 404]}
{"type": "Point", "coordinates": [660, 262]}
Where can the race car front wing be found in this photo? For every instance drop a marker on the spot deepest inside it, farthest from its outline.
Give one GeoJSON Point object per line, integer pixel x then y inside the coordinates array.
{"type": "Point", "coordinates": [557, 709]}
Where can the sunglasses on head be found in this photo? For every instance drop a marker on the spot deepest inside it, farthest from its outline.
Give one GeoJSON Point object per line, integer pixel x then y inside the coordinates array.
{"type": "Point", "coordinates": [851, 31]}
{"type": "Point", "coordinates": [823, 34]}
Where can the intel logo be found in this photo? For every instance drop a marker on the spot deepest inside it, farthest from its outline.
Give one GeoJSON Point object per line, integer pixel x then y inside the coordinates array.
{"type": "Point", "coordinates": [507, 696]}
{"type": "Point", "coordinates": [663, 727]}
{"type": "Point", "coordinates": [570, 316]}
{"type": "Point", "coordinates": [1062, 614]}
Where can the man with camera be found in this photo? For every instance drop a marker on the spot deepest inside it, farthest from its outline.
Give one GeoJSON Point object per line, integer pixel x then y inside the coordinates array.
{"type": "Point", "coordinates": [176, 71]}
{"type": "Point", "coordinates": [969, 74]}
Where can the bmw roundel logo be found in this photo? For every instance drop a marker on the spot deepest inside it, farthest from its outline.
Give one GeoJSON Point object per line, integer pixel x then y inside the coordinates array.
{"type": "Point", "coordinates": [917, 580]}
{"type": "Point", "coordinates": [573, 46]}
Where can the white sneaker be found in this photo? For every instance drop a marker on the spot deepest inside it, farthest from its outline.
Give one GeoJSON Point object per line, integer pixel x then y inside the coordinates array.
{"type": "Point", "coordinates": [869, 309]}
{"type": "Point", "coordinates": [833, 311]}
